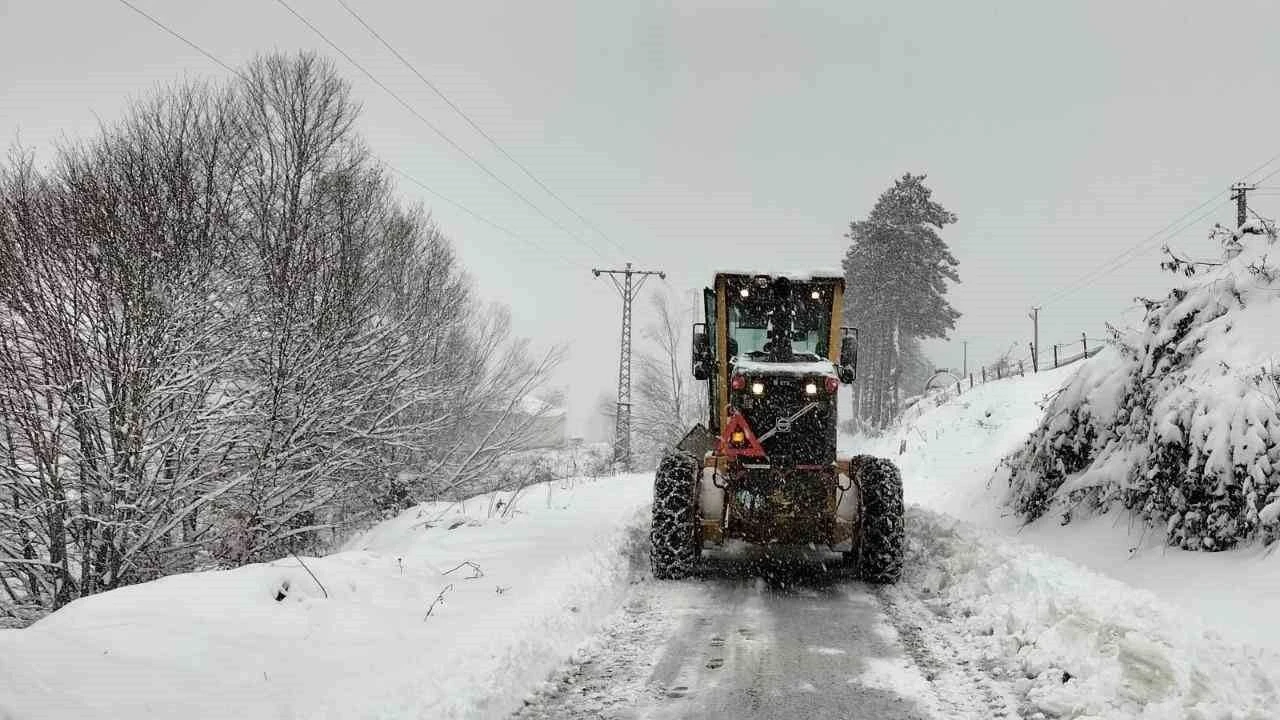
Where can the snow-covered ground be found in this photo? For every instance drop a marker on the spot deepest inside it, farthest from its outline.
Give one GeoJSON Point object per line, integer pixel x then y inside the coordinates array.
{"type": "Point", "coordinates": [990, 614]}
{"type": "Point", "coordinates": [263, 641]}
{"type": "Point", "coordinates": [1066, 642]}
{"type": "Point", "coordinates": [1140, 630]}
{"type": "Point", "coordinates": [952, 452]}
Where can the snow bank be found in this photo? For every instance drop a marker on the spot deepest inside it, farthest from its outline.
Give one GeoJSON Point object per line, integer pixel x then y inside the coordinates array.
{"type": "Point", "coordinates": [1180, 423]}
{"type": "Point", "coordinates": [952, 453]}
{"type": "Point", "coordinates": [1073, 644]}
{"type": "Point", "coordinates": [266, 641]}
{"type": "Point", "coordinates": [947, 453]}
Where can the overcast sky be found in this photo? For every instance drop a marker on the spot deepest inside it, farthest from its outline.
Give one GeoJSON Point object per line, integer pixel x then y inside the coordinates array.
{"type": "Point", "coordinates": [700, 136]}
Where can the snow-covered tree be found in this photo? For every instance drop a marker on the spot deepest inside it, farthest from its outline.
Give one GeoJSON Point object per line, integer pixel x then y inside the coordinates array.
{"type": "Point", "coordinates": [222, 335]}
{"type": "Point", "coordinates": [896, 270]}
{"type": "Point", "coordinates": [1179, 422]}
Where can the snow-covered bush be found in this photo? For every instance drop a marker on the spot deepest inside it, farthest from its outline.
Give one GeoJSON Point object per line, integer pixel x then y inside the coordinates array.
{"type": "Point", "coordinates": [1178, 422]}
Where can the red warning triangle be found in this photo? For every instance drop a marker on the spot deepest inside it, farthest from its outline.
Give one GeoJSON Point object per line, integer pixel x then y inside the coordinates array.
{"type": "Point", "coordinates": [752, 446]}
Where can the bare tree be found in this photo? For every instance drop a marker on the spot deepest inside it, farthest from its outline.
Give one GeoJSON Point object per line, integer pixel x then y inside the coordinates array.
{"type": "Point", "coordinates": [111, 333]}
{"type": "Point", "coordinates": [220, 334]}
{"type": "Point", "coordinates": [668, 400]}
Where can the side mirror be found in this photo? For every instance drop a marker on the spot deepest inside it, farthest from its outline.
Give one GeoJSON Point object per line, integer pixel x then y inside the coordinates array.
{"type": "Point", "coordinates": [848, 367]}
{"type": "Point", "coordinates": [702, 356]}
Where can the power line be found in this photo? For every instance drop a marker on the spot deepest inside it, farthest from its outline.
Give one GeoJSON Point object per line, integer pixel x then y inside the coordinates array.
{"type": "Point", "coordinates": [435, 129]}
{"type": "Point", "coordinates": [1131, 253]}
{"type": "Point", "coordinates": [404, 61]}
{"type": "Point", "coordinates": [394, 169]}
{"type": "Point", "coordinates": [177, 35]}
{"type": "Point", "coordinates": [1268, 176]}
{"type": "Point", "coordinates": [453, 202]}
{"type": "Point", "coordinates": [1166, 233]}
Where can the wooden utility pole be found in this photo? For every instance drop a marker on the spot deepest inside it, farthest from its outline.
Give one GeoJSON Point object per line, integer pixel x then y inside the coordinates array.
{"type": "Point", "coordinates": [1035, 342]}
{"type": "Point", "coordinates": [1240, 193]}
{"type": "Point", "coordinates": [628, 289]}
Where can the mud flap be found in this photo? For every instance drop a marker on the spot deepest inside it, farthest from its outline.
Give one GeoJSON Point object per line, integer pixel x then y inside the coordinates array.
{"type": "Point", "coordinates": [698, 441]}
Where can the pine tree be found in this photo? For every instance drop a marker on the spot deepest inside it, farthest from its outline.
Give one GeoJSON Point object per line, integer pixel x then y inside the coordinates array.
{"type": "Point", "coordinates": [896, 270]}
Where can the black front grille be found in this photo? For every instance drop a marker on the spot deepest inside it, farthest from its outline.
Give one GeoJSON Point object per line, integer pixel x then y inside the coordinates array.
{"type": "Point", "coordinates": [811, 437]}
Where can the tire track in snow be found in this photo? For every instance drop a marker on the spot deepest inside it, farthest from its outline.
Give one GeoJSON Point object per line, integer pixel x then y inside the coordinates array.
{"type": "Point", "coordinates": [965, 687]}
{"type": "Point", "coordinates": [607, 676]}
{"type": "Point", "coordinates": [765, 638]}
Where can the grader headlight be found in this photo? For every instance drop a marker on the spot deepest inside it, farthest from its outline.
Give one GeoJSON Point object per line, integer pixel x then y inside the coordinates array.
{"type": "Point", "coordinates": [757, 388]}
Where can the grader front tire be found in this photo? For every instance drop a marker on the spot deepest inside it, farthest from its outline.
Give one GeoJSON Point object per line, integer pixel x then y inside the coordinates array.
{"type": "Point", "coordinates": [879, 552]}
{"type": "Point", "coordinates": [675, 545]}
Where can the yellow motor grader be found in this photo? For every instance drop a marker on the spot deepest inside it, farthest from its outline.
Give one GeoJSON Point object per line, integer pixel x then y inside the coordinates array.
{"type": "Point", "coordinates": [764, 468]}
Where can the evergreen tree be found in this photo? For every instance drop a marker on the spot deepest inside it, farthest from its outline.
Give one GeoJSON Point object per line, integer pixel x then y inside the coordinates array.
{"type": "Point", "coordinates": [896, 270]}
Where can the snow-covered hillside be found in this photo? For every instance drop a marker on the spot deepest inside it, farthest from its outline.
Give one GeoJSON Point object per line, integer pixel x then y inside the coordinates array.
{"type": "Point", "coordinates": [266, 641]}
{"type": "Point", "coordinates": [951, 466]}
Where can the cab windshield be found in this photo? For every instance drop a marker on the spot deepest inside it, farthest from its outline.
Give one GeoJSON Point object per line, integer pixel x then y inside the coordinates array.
{"type": "Point", "coordinates": [750, 319]}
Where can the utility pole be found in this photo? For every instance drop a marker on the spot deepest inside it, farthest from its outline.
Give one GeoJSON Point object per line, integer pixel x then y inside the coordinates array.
{"type": "Point", "coordinates": [1240, 194]}
{"type": "Point", "coordinates": [628, 288]}
{"type": "Point", "coordinates": [965, 371]}
{"type": "Point", "coordinates": [1035, 343]}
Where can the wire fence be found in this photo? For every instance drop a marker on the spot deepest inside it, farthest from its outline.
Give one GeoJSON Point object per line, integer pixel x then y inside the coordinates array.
{"type": "Point", "coordinates": [1069, 352]}
{"type": "Point", "coordinates": [946, 385]}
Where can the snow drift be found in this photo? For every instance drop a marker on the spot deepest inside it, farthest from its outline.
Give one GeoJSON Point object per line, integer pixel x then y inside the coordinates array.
{"type": "Point", "coordinates": [1178, 422]}
{"type": "Point", "coordinates": [348, 635]}
{"type": "Point", "coordinates": [1068, 643]}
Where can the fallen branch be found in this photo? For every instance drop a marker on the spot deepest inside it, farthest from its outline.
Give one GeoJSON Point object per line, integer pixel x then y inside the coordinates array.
{"type": "Point", "coordinates": [313, 575]}
{"type": "Point", "coordinates": [476, 572]}
{"type": "Point", "coordinates": [439, 599]}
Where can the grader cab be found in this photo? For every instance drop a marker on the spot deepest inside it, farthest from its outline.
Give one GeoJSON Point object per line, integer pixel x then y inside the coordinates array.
{"type": "Point", "coordinates": [764, 468]}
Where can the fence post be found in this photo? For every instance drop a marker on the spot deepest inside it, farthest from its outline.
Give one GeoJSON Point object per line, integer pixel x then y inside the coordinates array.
{"type": "Point", "coordinates": [1055, 355]}
{"type": "Point", "coordinates": [1035, 361]}
{"type": "Point", "coordinates": [1084, 343]}
{"type": "Point", "coordinates": [999, 374]}
{"type": "Point", "coordinates": [970, 381]}
{"type": "Point", "coordinates": [984, 373]}
{"type": "Point", "coordinates": [1021, 372]}
{"type": "Point", "coordinates": [957, 388]}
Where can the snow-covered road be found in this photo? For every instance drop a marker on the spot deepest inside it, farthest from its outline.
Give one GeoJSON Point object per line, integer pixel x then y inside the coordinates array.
{"type": "Point", "coordinates": [771, 637]}
{"type": "Point", "coordinates": [981, 626]}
